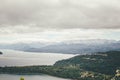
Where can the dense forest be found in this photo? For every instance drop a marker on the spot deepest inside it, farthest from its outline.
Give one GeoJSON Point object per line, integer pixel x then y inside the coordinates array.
{"type": "Point", "coordinates": [99, 66]}
{"type": "Point", "coordinates": [101, 62]}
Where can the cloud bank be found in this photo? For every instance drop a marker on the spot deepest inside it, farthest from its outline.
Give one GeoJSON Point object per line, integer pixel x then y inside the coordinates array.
{"type": "Point", "coordinates": [36, 15]}
{"type": "Point", "coordinates": [60, 36]}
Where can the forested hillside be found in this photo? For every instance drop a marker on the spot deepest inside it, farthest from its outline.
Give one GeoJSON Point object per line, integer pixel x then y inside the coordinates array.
{"type": "Point", "coordinates": [102, 62]}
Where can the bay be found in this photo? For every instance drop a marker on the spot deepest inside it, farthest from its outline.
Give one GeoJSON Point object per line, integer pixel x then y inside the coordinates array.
{"type": "Point", "coordinates": [20, 58]}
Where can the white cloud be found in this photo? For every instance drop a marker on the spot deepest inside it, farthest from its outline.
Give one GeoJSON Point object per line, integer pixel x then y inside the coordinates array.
{"type": "Point", "coordinates": [61, 35]}
{"type": "Point", "coordinates": [35, 15]}
{"type": "Point", "coordinates": [58, 20]}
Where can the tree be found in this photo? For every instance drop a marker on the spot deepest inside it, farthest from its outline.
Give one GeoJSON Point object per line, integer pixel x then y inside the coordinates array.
{"type": "Point", "coordinates": [21, 78]}
{"type": "Point", "coordinates": [117, 75]}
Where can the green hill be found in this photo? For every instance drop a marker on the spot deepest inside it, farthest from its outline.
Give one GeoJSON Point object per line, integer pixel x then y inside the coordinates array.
{"type": "Point", "coordinates": [102, 62]}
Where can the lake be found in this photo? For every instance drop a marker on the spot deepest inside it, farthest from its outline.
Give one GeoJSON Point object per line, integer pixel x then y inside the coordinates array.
{"type": "Point", "coordinates": [20, 58]}
{"type": "Point", "coordinates": [29, 77]}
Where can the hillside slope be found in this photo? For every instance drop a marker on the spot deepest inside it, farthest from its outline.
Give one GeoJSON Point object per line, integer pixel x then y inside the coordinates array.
{"type": "Point", "coordinates": [104, 62]}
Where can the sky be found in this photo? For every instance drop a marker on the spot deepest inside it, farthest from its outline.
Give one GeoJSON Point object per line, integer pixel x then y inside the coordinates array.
{"type": "Point", "coordinates": [58, 20]}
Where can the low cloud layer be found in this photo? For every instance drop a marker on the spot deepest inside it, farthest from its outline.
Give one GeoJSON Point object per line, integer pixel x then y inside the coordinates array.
{"type": "Point", "coordinates": [37, 15]}
{"type": "Point", "coordinates": [60, 36]}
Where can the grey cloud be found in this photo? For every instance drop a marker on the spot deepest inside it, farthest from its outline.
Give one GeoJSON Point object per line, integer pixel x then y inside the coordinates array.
{"type": "Point", "coordinates": [60, 14]}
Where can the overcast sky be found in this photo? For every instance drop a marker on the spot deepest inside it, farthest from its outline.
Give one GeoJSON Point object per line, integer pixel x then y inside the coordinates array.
{"type": "Point", "coordinates": [59, 20]}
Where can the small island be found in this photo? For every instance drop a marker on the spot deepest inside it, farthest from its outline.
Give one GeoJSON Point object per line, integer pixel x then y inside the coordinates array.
{"type": "Point", "coordinates": [1, 53]}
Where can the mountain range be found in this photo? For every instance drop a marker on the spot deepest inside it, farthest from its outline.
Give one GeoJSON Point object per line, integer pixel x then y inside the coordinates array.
{"type": "Point", "coordinates": [70, 47]}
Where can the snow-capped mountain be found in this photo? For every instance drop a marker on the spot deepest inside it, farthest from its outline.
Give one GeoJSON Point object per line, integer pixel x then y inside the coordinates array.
{"type": "Point", "coordinates": [71, 47]}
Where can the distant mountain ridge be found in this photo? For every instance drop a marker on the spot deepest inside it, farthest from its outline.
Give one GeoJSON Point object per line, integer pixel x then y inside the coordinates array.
{"type": "Point", "coordinates": [70, 47]}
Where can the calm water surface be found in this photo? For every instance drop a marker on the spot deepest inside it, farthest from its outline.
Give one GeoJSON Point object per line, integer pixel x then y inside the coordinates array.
{"type": "Point", "coordinates": [29, 77]}
{"type": "Point", "coordinates": [19, 58]}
